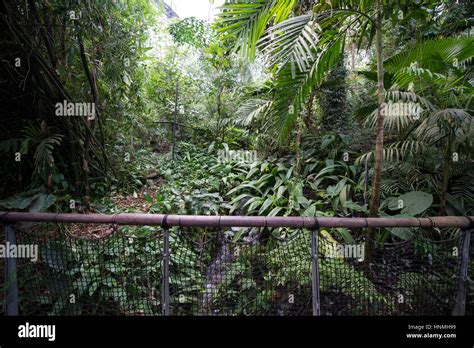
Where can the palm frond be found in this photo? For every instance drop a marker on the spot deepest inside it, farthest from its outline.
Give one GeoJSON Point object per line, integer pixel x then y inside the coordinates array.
{"type": "Point", "coordinates": [252, 110]}
{"type": "Point", "coordinates": [294, 39]}
{"type": "Point", "coordinates": [435, 55]}
{"type": "Point", "coordinates": [292, 85]}
{"type": "Point", "coordinates": [397, 151]}
{"type": "Point", "coordinates": [410, 105]}
{"type": "Point", "coordinates": [444, 123]}
{"type": "Point", "coordinates": [44, 152]}
{"type": "Point", "coordinates": [408, 76]}
{"type": "Point", "coordinates": [248, 19]}
{"type": "Point", "coordinates": [463, 190]}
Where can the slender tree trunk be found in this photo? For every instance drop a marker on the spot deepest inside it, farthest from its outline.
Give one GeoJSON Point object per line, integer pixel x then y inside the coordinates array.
{"type": "Point", "coordinates": [174, 119]}
{"type": "Point", "coordinates": [308, 116]}
{"type": "Point", "coordinates": [85, 168]}
{"type": "Point", "coordinates": [218, 115]}
{"type": "Point", "coordinates": [298, 148]}
{"type": "Point", "coordinates": [378, 155]}
{"type": "Point", "coordinates": [353, 55]}
{"type": "Point", "coordinates": [44, 32]}
{"type": "Point", "coordinates": [95, 98]}
{"type": "Point", "coordinates": [444, 184]}
{"type": "Point", "coordinates": [444, 189]}
{"type": "Point", "coordinates": [375, 199]}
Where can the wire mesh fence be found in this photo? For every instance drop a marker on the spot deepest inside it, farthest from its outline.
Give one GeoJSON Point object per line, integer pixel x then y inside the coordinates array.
{"type": "Point", "coordinates": [250, 272]}
{"type": "Point", "coordinates": [115, 274]}
{"type": "Point", "coordinates": [412, 277]}
{"type": "Point", "coordinates": [237, 271]}
{"type": "Point", "coordinates": [470, 281]}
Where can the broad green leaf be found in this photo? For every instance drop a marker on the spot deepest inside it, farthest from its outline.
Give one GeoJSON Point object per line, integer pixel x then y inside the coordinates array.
{"type": "Point", "coordinates": [411, 203]}
{"type": "Point", "coordinates": [268, 202]}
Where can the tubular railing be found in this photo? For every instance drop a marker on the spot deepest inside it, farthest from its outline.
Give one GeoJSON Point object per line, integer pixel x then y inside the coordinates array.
{"type": "Point", "coordinates": [237, 265]}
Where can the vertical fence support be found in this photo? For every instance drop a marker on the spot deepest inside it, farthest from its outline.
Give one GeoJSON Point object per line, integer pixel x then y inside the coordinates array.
{"type": "Point", "coordinates": [460, 305]}
{"type": "Point", "coordinates": [165, 289]}
{"type": "Point", "coordinates": [11, 283]}
{"type": "Point", "coordinates": [315, 272]}
{"type": "Point", "coordinates": [366, 182]}
{"type": "Point", "coordinates": [174, 120]}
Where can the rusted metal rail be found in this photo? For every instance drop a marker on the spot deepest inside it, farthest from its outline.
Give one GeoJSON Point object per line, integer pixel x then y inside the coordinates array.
{"type": "Point", "coordinates": [238, 221]}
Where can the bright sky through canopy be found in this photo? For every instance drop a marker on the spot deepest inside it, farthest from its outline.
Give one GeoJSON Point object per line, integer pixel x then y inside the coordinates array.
{"type": "Point", "coordinates": [202, 9]}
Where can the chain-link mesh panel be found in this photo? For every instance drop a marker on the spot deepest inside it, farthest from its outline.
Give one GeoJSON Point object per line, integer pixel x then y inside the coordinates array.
{"type": "Point", "coordinates": [248, 272]}
{"type": "Point", "coordinates": [413, 277]}
{"type": "Point", "coordinates": [470, 280]}
{"type": "Point", "coordinates": [117, 274]}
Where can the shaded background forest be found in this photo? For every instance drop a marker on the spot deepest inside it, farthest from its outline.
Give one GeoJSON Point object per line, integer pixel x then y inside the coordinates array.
{"type": "Point", "coordinates": [280, 112]}
{"type": "Point", "coordinates": [126, 57]}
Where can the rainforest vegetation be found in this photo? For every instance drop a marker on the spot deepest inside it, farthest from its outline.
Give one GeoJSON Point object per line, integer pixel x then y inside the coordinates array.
{"type": "Point", "coordinates": [272, 108]}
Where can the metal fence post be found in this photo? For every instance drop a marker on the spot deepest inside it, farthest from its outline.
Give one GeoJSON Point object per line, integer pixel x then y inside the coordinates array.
{"type": "Point", "coordinates": [11, 283]}
{"type": "Point", "coordinates": [165, 295]}
{"type": "Point", "coordinates": [174, 120]}
{"type": "Point", "coordinates": [315, 272]}
{"type": "Point", "coordinates": [366, 181]}
{"type": "Point", "coordinates": [460, 305]}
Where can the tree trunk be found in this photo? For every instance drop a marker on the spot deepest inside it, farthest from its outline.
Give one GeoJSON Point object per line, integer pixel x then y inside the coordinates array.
{"type": "Point", "coordinates": [95, 98]}
{"type": "Point", "coordinates": [444, 189]}
{"type": "Point", "coordinates": [378, 155]}
{"type": "Point", "coordinates": [173, 151]}
{"type": "Point", "coordinates": [298, 148]}
{"type": "Point", "coordinates": [375, 199]}
{"type": "Point", "coordinates": [218, 115]}
{"type": "Point", "coordinates": [444, 183]}
{"type": "Point", "coordinates": [308, 116]}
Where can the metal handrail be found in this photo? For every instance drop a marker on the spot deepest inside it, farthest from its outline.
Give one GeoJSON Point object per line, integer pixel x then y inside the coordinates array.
{"type": "Point", "coordinates": [239, 221]}
{"type": "Point", "coordinates": [167, 221]}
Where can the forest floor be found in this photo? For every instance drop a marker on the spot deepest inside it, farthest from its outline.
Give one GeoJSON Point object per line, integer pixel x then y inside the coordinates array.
{"type": "Point", "coordinates": [136, 200]}
{"type": "Point", "coordinates": [132, 202]}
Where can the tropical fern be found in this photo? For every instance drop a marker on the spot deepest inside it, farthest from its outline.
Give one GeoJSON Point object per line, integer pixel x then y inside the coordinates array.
{"type": "Point", "coordinates": [38, 140]}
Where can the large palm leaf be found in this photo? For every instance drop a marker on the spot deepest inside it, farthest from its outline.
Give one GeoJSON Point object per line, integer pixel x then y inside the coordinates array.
{"type": "Point", "coordinates": [248, 19]}
{"type": "Point", "coordinates": [438, 56]}
{"type": "Point", "coordinates": [456, 124]}
{"type": "Point", "coordinates": [292, 40]}
{"type": "Point", "coordinates": [302, 57]}
{"type": "Point", "coordinates": [293, 85]}
{"type": "Point", "coordinates": [435, 65]}
{"type": "Point", "coordinates": [251, 110]}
